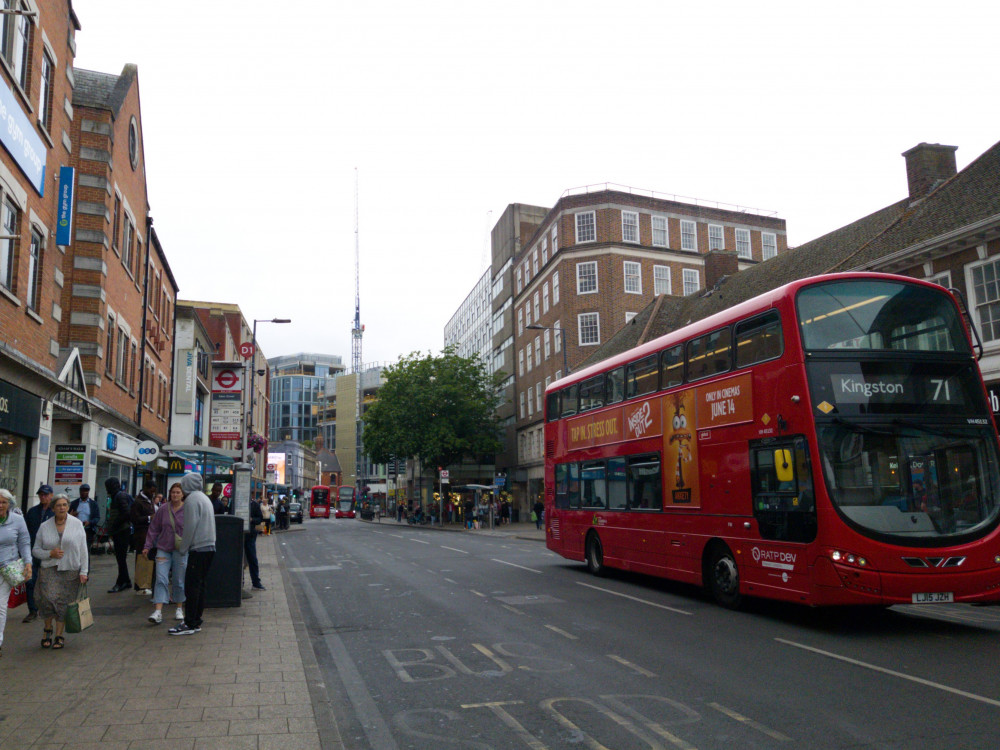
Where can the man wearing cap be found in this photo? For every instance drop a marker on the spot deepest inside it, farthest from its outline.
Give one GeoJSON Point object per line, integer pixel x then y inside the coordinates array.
{"type": "Point", "coordinates": [86, 509]}
{"type": "Point", "coordinates": [35, 517]}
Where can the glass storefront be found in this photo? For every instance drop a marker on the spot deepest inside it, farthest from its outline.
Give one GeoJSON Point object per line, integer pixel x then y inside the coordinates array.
{"type": "Point", "coordinates": [20, 414]}
{"type": "Point", "coordinates": [13, 459]}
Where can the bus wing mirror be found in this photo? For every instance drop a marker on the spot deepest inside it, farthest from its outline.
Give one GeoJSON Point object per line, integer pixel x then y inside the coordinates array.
{"type": "Point", "coordinates": [783, 467]}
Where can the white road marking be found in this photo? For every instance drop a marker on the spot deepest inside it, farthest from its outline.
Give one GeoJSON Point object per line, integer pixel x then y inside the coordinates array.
{"type": "Point", "coordinates": [750, 723]}
{"type": "Point", "coordinates": [504, 562]}
{"type": "Point", "coordinates": [892, 673]}
{"type": "Point", "coordinates": [418, 541]}
{"type": "Point", "coordinates": [562, 632]}
{"type": "Point", "coordinates": [636, 599]}
{"type": "Point", "coordinates": [477, 593]}
{"type": "Point", "coordinates": [451, 581]}
{"type": "Point", "coordinates": [512, 609]}
{"type": "Point", "coordinates": [453, 549]}
{"type": "Point", "coordinates": [630, 665]}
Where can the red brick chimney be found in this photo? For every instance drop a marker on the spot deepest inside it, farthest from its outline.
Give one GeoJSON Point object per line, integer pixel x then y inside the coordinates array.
{"type": "Point", "coordinates": [718, 265]}
{"type": "Point", "coordinates": [927, 166]}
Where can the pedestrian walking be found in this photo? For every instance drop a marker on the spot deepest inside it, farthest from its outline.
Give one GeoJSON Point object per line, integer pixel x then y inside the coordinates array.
{"type": "Point", "coordinates": [218, 501]}
{"type": "Point", "coordinates": [61, 545]}
{"type": "Point", "coordinates": [119, 529]}
{"type": "Point", "coordinates": [198, 541]}
{"type": "Point", "coordinates": [15, 552]}
{"type": "Point", "coordinates": [265, 510]}
{"type": "Point", "coordinates": [88, 512]}
{"type": "Point", "coordinates": [141, 515]}
{"type": "Point", "coordinates": [538, 513]}
{"type": "Point", "coordinates": [162, 539]}
{"type": "Point", "coordinates": [34, 518]}
{"type": "Point", "coordinates": [250, 544]}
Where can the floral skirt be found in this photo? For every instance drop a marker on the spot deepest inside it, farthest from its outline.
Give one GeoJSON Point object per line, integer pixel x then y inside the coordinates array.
{"type": "Point", "coordinates": [56, 590]}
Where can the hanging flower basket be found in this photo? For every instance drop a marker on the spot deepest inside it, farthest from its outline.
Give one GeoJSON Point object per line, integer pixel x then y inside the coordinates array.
{"type": "Point", "coordinates": [257, 443]}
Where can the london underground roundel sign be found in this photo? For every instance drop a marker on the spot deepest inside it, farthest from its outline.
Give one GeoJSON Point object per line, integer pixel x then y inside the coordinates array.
{"type": "Point", "coordinates": [147, 451]}
{"type": "Point", "coordinates": [227, 379]}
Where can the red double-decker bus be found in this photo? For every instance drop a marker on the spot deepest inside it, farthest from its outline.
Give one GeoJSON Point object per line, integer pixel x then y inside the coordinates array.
{"type": "Point", "coordinates": [319, 502]}
{"type": "Point", "coordinates": [828, 442]}
{"type": "Point", "coordinates": [345, 502]}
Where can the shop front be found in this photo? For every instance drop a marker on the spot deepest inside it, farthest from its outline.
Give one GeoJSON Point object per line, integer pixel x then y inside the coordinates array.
{"type": "Point", "coordinates": [116, 458]}
{"type": "Point", "coordinates": [20, 415]}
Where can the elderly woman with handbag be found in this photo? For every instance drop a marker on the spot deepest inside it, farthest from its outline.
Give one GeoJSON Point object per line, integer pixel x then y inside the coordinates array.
{"type": "Point", "coordinates": [15, 554]}
{"type": "Point", "coordinates": [161, 540]}
{"type": "Point", "coordinates": [61, 545]}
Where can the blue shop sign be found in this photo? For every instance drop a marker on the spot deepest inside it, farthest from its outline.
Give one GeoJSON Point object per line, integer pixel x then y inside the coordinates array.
{"type": "Point", "coordinates": [18, 136]}
{"type": "Point", "coordinates": [64, 221]}
{"type": "Point", "coordinates": [20, 412]}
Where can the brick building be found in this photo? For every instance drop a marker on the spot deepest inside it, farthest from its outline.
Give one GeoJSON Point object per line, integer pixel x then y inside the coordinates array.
{"type": "Point", "coordinates": [41, 381]}
{"type": "Point", "coordinates": [596, 259]}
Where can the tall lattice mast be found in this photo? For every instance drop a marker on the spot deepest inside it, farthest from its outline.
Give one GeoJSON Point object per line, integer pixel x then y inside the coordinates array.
{"type": "Point", "coordinates": [356, 333]}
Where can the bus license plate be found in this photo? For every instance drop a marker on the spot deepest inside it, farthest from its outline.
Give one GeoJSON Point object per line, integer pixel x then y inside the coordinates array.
{"type": "Point", "coordinates": [934, 598]}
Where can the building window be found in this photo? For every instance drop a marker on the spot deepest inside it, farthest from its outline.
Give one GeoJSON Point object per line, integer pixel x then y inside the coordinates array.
{"type": "Point", "coordinates": [589, 328]}
{"type": "Point", "coordinates": [715, 241]}
{"type": "Point", "coordinates": [9, 220]}
{"type": "Point", "coordinates": [522, 408]}
{"type": "Point", "coordinates": [555, 288]}
{"type": "Point", "coordinates": [528, 357]}
{"type": "Point", "coordinates": [630, 226]}
{"type": "Point", "coordinates": [541, 402]}
{"type": "Point", "coordinates": [517, 279]}
{"type": "Point", "coordinates": [743, 243]}
{"type": "Point", "coordinates": [133, 374]}
{"type": "Point", "coordinates": [557, 335]}
{"type": "Point", "coordinates": [545, 297]}
{"type": "Point", "coordinates": [534, 263]}
{"type": "Point", "coordinates": [35, 271]}
{"type": "Point", "coordinates": [15, 42]}
{"type": "Point", "coordinates": [692, 281]}
{"type": "Point", "coordinates": [538, 351]}
{"type": "Point", "coordinates": [520, 321]}
{"type": "Point", "coordinates": [531, 402]}
{"type": "Point", "coordinates": [527, 271]}
{"type": "Point", "coordinates": [116, 224]}
{"type": "Point", "coordinates": [527, 313]}
{"type": "Point", "coordinates": [660, 231]}
{"type": "Point", "coordinates": [127, 245]}
{"type": "Point", "coordinates": [586, 227]}
{"type": "Point", "coordinates": [633, 277]}
{"type": "Point", "coordinates": [536, 306]}
{"type": "Point", "coordinates": [986, 288]}
{"type": "Point", "coordinates": [689, 236]}
{"type": "Point", "coordinates": [547, 342]}
{"type": "Point", "coordinates": [545, 250]}
{"type": "Point", "coordinates": [555, 238]}
{"type": "Point", "coordinates": [661, 279]}
{"type": "Point", "coordinates": [121, 359]}
{"type": "Point", "coordinates": [45, 93]}
{"type": "Point", "coordinates": [109, 348]}
{"type": "Point", "coordinates": [770, 245]}
{"type": "Point", "coordinates": [586, 277]}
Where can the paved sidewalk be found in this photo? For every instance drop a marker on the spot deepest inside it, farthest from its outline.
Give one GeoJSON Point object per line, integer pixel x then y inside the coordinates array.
{"type": "Point", "coordinates": [124, 683]}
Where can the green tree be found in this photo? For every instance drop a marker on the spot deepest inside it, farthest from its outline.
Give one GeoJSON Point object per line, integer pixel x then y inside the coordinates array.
{"type": "Point", "coordinates": [439, 409]}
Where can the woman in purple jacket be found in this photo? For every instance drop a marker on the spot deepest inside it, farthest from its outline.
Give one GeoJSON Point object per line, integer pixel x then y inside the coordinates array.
{"type": "Point", "coordinates": [164, 532]}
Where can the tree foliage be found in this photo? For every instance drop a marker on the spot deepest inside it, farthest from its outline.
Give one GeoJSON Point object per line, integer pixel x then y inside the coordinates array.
{"type": "Point", "coordinates": [439, 409]}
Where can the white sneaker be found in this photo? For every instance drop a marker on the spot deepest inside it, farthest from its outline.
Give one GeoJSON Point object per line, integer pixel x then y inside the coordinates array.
{"type": "Point", "coordinates": [156, 618]}
{"type": "Point", "coordinates": [179, 614]}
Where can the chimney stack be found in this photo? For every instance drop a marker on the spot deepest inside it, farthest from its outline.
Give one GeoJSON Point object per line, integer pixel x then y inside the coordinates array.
{"type": "Point", "coordinates": [927, 166]}
{"type": "Point", "coordinates": [718, 265]}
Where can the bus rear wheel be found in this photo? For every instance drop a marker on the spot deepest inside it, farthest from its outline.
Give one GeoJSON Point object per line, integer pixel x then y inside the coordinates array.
{"type": "Point", "coordinates": [595, 555]}
{"type": "Point", "coordinates": [723, 577]}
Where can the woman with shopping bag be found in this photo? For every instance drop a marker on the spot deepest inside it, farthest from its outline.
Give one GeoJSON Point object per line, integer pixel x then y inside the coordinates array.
{"type": "Point", "coordinates": [15, 554]}
{"type": "Point", "coordinates": [61, 545]}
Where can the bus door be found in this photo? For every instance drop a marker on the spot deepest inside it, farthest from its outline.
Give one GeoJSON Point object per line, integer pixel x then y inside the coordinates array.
{"type": "Point", "coordinates": [784, 500]}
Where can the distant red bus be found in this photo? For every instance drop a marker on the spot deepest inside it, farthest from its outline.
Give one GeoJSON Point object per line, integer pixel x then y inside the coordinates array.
{"type": "Point", "coordinates": [319, 502]}
{"type": "Point", "coordinates": [828, 442]}
{"type": "Point", "coordinates": [345, 502]}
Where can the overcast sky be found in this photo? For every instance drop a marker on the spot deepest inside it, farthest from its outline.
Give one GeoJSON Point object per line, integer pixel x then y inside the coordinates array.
{"type": "Point", "coordinates": [255, 116]}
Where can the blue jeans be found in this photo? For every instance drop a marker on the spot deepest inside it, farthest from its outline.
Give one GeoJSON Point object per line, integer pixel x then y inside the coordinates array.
{"type": "Point", "coordinates": [36, 565]}
{"type": "Point", "coordinates": [167, 563]}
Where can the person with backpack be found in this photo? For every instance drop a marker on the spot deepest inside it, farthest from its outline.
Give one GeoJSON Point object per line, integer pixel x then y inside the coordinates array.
{"type": "Point", "coordinates": [119, 530]}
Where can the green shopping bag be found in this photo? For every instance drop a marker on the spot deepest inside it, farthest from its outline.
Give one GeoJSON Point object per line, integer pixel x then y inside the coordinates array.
{"type": "Point", "coordinates": [79, 616]}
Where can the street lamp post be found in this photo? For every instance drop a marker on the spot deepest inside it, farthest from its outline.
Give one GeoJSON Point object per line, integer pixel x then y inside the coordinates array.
{"type": "Point", "coordinates": [253, 372]}
{"type": "Point", "coordinates": [562, 333]}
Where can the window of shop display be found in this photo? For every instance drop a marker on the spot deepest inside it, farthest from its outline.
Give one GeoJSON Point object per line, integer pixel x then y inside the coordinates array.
{"type": "Point", "coordinates": [13, 456]}
{"type": "Point", "coordinates": [106, 469]}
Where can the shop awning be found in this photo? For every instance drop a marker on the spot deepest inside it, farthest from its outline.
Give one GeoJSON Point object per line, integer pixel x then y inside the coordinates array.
{"type": "Point", "coordinates": [202, 453]}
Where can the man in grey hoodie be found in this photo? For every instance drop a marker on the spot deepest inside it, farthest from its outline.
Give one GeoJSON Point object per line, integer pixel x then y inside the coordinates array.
{"type": "Point", "coordinates": [198, 540]}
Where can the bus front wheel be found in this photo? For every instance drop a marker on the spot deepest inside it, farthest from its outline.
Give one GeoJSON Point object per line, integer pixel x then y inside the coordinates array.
{"type": "Point", "coordinates": [595, 555]}
{"type": "Point", "coordinates": [724, 577]}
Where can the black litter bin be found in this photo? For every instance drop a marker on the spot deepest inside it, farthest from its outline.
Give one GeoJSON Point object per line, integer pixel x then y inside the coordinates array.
{"type": "Point", "coordinates": [224, 585]}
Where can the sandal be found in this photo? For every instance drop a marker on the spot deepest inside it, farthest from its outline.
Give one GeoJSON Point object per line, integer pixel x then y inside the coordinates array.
{"type": "Point", "coordinates": [60, 641]}
{"type": "Point", "coordinates": [46, 639]}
